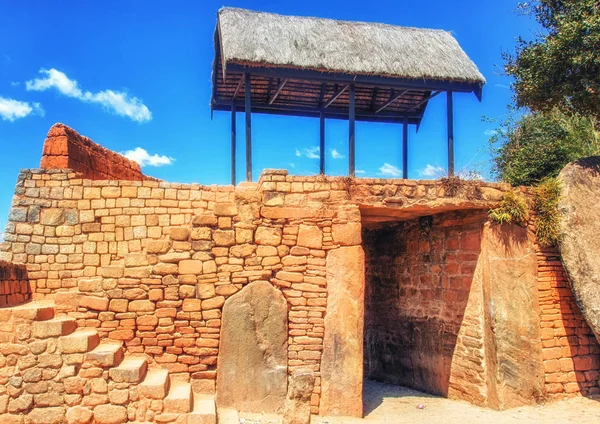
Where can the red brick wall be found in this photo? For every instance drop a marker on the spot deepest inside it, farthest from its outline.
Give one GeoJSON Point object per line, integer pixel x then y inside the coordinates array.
{"type": "Point", "coordinates": [64, 148]}
{"type": "Point", "coordinates": [418, 279]}
{"type": "Point", "coordinates": [570, 350]}
{"type": "Point", "coordinates": [14, 285]}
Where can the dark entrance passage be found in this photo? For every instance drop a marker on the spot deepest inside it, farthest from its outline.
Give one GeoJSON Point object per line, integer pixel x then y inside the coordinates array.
{"type": "Point", "coordinates": [419, 277]}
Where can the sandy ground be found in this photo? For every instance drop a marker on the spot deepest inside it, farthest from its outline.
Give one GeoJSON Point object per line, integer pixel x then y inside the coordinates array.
{"type": "Point", "coordinates": [392, 404]}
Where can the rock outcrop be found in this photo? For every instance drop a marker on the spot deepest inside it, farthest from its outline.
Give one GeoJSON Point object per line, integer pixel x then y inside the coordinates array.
{"type": "Point", "coordinates": [580, 246]}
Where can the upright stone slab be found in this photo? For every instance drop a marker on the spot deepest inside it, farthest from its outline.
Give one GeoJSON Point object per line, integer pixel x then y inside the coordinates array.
{"type": "Point", "coordinates": [580, 246]}
{"type": "Point", "coordinates": [342, 361]}
{"type": "Point", "coordinates": [516, 366]}
{"type": "Point", "coordinates": [252, 364]}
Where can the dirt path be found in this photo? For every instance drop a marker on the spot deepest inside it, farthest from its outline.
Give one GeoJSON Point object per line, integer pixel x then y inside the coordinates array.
{"type": "Point", "coordinates": [392, 404]}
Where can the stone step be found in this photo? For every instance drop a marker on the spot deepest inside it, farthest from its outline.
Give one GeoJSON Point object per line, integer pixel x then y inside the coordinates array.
{"type": "Point", "coordinates": [228, 416]}
{"type": "Point", "coordinates": [204, 411]}
{"type": "Point", "coordinates": [107, 354]}
{"type": "Point", "coordinates": [81, 341]}
{"type": "Point", "coordinates": [131, 370]}
{"type": "Point", "coordinates": [54, 327]}
{"type": "Point", "coordinates": [179, 399]}
{"type": "Point", "coordinates": [40, 310]}
{"type": "Point", "coordinates": [155, 385]}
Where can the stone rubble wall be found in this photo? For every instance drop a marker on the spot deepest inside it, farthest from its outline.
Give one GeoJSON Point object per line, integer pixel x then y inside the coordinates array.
{"type": "Point", "coordinates": [64, 148]}
{"type": "Point", "coordinates": [14, 284]}
{"type": "Point", "coordinates": [152, 263]}
{"type": "Point", "coordinates": [570, 350]}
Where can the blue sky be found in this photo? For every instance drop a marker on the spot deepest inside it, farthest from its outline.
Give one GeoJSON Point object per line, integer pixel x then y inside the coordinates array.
{"type": "Point", "coordinates": [135, 75]}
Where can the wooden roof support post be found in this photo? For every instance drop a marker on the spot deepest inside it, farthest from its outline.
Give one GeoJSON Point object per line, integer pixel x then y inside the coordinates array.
{"type": "Point", "coordinates": [233, 141]}
{"type": "Point", "coordinates": [450, 111]}
{"type": "Point", "coordinates": [405, 148]}
{"type": "Point", "coordinates": [351, 131]}
{"type": "Point", "coordinates": [322, 143]}
{"type": "Point", "coordinates": [248, 128]}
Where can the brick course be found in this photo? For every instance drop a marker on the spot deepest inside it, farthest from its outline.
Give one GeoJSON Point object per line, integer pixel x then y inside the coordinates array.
{"type": "Point", "coordinates": [64, 148]}
{"type": "Point", "coordinates": [14, 284]}
{"type": "Point", "coordinates": [570, 351]}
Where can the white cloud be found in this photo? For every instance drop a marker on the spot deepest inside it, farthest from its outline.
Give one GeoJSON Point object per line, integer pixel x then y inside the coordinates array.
{"type": "Point", "coordinates": [433, 171]}
{"type": "Point", "coordinates": [55, 79]}
{"type": "Point", "coordinates": [311, 152]}
{"type": "Point", "coordinates": [144, 158]}
{"type": "Point", "coordinates": [11, 109]}
{"type": "Point", "coordinates": [390, 170]}
{"type": "Point", "coordinates": [14, 83]}
{"type": "Point", "coordinates": [336, 155]}
{"type": "Point", "coordinates": [360, 171]}
{"type": "Point", "coordinates": [117, 102]}
{"type": "Point", "coordinates": [490, 133]}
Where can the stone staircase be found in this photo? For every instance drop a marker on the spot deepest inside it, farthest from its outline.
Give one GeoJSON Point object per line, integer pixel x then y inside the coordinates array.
{"type": "Point", "coordinates": [100, 382]}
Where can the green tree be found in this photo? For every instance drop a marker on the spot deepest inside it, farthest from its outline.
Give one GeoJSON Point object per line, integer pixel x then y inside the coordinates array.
{"type": "Point", "coordinates": [561, 66]}
{"type": "Point", "coordinates": [537, 145]}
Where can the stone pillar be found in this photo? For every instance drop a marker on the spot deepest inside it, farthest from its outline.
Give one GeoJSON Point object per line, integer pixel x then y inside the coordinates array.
{"type": "Point", "coordinates": [342, 361]}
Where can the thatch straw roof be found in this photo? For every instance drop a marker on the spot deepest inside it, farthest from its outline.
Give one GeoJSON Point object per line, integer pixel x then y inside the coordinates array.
{"type": "Point", "coordinates": [355, 48]}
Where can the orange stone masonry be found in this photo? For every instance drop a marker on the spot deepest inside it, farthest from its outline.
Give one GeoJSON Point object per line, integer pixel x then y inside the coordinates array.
{"type": "Point", "coordinates": [129, 277]}
{"type": "Point", "coordinates": [570, 350]}
{"type": "Point", "coordinates": [64, 148]}
{"type": "Point", "coordinates": [14, 284]}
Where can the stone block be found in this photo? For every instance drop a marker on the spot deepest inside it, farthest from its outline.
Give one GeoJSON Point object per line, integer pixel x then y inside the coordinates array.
{"type": "Point", "coordinates": [131, 370]}
{"type": "Point", "coordinates": [53, 328]}
{"type": "Point", "coordinates": [106, 354]}
{"type": "Point", "coordinates": [225, 209]}
{"type": "Point", "coordinates": [349, 234]}
{"type": "Point", "coordinates": [310, 236]}
{"type": "Point", "coordinates": [110, 414]}
{"type": "Point", "coordinates": [93, 302]}
{"type": "Point", "coordinates": [268, 236]}
{"type": "Point", "coordinates": [155, 385]}
{"type": "Point", "coordinates": [179, 400]}
{"type": "Point", "coordinates": [190, 267]}
{"type": "Point", "coordinates": [81, 341]}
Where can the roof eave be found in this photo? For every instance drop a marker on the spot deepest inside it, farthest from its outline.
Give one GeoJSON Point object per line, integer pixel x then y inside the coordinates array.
{"type": "Point", "coordinates": [475, 87]}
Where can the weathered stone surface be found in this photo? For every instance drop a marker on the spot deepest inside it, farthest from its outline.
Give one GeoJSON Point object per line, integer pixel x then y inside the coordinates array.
{"type": "Point", "coordinates": [110, 414]}
{"type": "Point", "coordinates": [268, 236]}
{"type": "Point", "coordinates": [310, 236]}
{"type": "Point", "coordinates": [342, 361]}
{"type": "Point", "coordinates": [297, 404]}
{"type": "Point", "coordinates": [79, 415]}
{"type": "Point", "coordinates": [53, 415]}
{"type": "Point", "coordinates": [349, 234]}
{"type": "Point", "coordinates": [252, 363]}
{"type": "Point", "coordinates": [510, 270]}
{"type": "Point", "coordinates": [580, 245]}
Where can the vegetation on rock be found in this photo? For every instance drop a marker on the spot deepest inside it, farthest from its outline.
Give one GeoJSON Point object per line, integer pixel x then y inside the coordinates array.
{"type": "Point", "coordinates": [546, 196]}
{"type": "Point", "coordinates": [513, 209]}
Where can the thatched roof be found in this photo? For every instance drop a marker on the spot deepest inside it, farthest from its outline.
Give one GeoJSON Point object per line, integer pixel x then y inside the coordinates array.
{"type": "Point", "coordinates": [355, 48]}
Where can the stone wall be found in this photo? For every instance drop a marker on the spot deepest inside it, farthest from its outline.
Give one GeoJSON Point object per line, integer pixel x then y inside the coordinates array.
{"type": "Point", "coordinates": [419, 275]}
{"type": "Point", "coordinates": [64, 148]}
{"type": "Point", "coordinates": [14, 284]}
{"type": "Point", "coordinates": [152, 263]}
{"type": "Point", "coordinates": [570, 349]}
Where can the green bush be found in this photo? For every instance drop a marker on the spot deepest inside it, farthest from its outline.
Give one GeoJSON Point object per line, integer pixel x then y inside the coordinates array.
{"type": "Point", "coordinates": [538, 145]}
